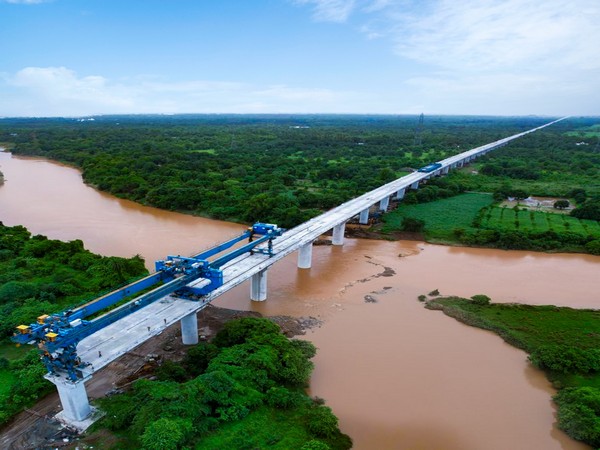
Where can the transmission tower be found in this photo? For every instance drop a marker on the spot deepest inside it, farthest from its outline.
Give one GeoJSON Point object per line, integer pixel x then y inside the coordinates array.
{"type": "Point", "coordinates": [419, 131]}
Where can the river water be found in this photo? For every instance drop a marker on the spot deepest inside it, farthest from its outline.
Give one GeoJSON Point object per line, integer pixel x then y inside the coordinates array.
{"type": "Point", "coordinates": [398, 376]}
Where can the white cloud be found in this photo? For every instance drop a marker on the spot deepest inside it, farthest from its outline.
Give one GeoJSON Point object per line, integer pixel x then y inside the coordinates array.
{"type": "Point", "coordinates": [491, 34]}
{"type": "Point", "coordinates": [528, 51]}
{"type": "Point", "coordinates": [59, 91]}
{"type": "Point", "coordinates": [330, 10]}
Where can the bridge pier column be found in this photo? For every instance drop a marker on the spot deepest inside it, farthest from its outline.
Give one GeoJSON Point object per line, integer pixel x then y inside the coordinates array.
{"type": "Point", "coordinates": [364, 217]}
{"type": "Point", "coordinates": [384, 203]}
{"type": "Point", "coordinates": [445, 170]}
{"type": "Point", "coordinates": [305, 256]}
{"type": "Point", "coordinates": [189, 329]}
{"type": "Point", "coordinates": [73, 398]}
{"type": "Point", "coordinates": [415, 185]}
{"type": "Point", "coordinates": [400, 194]}
{"type": "Point", "coordinates": [258, 287]}
{"type": "Point", "coordinates": [338, 234]}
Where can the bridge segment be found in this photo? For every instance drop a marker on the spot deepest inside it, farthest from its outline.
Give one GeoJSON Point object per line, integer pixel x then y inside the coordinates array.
{"type": "Point", "coordinates": [113, 341]}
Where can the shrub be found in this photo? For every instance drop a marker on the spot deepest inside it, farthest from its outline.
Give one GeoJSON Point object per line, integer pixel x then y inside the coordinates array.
{"type": "Point", "coordinates": [579, 414]}
{"type": "Point", "coordinates": [315, 445]}
{"type": "Point", "coordinates": [593, 247]}
{"type": "Point", "coordinates": [166, 434]}
{"type": "Point", "coordinates": [412, 224]}
{"type": "Point", "coordinates": [239, 331]}
{"type": "Point", "coordinates": [566, 359]}
{"type": "Point", "coordinates": [199, 357]}
{"type": "Point", "coordinates": [322, 422]}
{"type": "Point", "coordinates": [481, 299]}
{"type": "Point", "coordinates": [170, 371]}
{"type": "Point", "coordinates": [422, 298]}
{"type": "Point", "coordinates": [283, 398]}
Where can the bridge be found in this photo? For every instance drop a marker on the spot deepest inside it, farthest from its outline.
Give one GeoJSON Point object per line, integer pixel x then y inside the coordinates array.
{"type": "Point", "coordinates": [112, 341]}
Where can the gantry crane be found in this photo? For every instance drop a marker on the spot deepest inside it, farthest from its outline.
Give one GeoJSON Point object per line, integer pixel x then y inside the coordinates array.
{"type": "Point", "coordinates": [57, 335]}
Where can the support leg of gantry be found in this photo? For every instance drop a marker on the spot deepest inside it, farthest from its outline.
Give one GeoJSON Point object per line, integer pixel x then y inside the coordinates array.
{"type": "Point", "coordinates": [364, 217]}
{"type": "Point", "coordinates": [384, 203]}
{"type": "Point", "coordinates": [189, 329]}
{"type": "Point", "coordinates": [305, 256]}
{"type": "Point", "coordinates": [415, 185]}
{"type": "Point", "coordinates": [400, 194]}
{"type": "Point", "coordinates": [338, 234]}
{"type": "Point", "coordinates": [258, 286]}
{"type": "Point", "coordinates": [73, 398]}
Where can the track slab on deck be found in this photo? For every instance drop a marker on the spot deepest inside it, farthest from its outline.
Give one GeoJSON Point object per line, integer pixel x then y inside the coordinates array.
{"type": "Point", "coordinates": [106, 345]}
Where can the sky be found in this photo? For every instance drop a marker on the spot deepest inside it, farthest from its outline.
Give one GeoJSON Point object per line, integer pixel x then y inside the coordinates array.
{"type": "Point", "coordinates": [495, 57]}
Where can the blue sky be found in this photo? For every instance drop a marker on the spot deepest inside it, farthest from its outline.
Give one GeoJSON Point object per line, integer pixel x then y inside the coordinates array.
{"type": "Point", "coordinates": [504, 57]}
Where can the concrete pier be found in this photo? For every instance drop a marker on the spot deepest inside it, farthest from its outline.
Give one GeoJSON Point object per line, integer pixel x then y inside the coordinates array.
{"type": "Point", "coordinates": [415, 185]}
{"type": "Point", "coordinates": [384, 203]}
{"type": "Point", "coordinates": [258, 288]}
{"type": "Point", "coordinates": [73, 398]}
{"type": "Point", "coordinates": [400, 194]}
{"type": "Point", "coordinates": [364, 217]}
{"type": "Point", "coordinates": [338, 234]}
{"type": "Point", "coordinates": [189, 329]}
{"type": "Point", "coordinates": [305, 256]}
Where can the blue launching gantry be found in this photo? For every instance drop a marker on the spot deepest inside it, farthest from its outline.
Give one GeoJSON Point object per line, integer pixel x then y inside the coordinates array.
{"type": "Point", "coordinates": [57, 335]}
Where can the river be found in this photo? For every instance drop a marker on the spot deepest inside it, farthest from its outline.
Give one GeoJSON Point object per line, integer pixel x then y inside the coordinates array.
{"type": "Point", "coordinates": [398, 376]}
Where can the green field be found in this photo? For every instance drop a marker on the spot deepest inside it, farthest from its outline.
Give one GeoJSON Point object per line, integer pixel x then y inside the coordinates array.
{"type": "Point", "coordinates": [440, 216]}
{"type": "Point", "coordinates": [587, 132]}
{"type": "Point", "coordinates": [508, 219]}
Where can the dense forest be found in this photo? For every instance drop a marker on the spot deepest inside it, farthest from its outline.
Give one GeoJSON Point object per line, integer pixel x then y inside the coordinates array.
{"type": "Point", "coordinates": [285, 169]}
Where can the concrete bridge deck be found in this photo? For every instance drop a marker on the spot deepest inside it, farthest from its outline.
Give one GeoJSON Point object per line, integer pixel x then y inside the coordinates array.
{"type": "Point", "coordinates": [104, 346]}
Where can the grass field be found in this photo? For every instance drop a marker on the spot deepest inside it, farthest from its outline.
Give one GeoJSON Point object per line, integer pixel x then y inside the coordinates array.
{"type": "Point", "coordinates": [440, 216]}
{"type": "Point", "coordinates": [507, 219]}
{"type": "Point", "coordinates": [592, 131]}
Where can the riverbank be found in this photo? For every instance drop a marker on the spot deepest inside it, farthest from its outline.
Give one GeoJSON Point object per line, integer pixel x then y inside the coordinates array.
{"type": "Point", "coordinates": [406, 368]}
{"type": "Point", "coordinates": [563, 342]}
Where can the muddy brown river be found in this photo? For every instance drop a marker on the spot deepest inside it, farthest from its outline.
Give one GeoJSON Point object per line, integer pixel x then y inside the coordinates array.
{"type": "Point", "coordinates": [398, 376]}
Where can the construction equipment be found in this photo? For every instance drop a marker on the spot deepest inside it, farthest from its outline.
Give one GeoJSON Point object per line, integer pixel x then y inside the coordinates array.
{"type": "Point", "coordinates": [57, 335]}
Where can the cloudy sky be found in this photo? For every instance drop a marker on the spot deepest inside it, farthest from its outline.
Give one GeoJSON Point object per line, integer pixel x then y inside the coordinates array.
{"type": "Point", "coordinates": [501, 57]}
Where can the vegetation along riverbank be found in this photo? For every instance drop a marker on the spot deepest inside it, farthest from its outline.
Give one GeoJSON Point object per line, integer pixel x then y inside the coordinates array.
{"type": "Point", "coordinates": [249, 377]}
{"type": "Point", "coordinates": [286, 169]}
{"type": "Point", "coordinates": [563, 342]}
{"type": "Point", "coordinates": [243, 389]}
